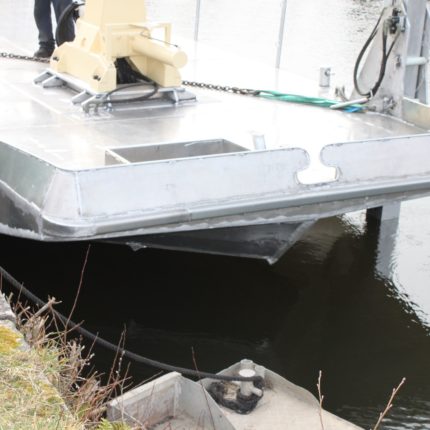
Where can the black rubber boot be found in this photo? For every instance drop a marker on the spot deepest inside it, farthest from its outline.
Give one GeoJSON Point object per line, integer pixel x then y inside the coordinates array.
{"type": "Point", "coordinates": [44, 52]}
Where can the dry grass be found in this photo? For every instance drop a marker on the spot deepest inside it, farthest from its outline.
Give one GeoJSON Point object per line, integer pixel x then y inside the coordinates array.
{"type": "Point", "coordinates": [48, 386]}
{"type": "Point", "coordinates": [27, 399]}
{"type": "Point", "coordinates": [9, 340]}
{"type": "Point", "coordinates": [321, 399]}
{"type": "Point", "coordinates": [387, 409]}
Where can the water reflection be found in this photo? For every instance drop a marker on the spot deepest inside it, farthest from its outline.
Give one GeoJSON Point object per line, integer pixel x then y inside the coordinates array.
{"type": "Point", "coordinates": [351, 323]}
{"type": "Point", "coordinates": [323, 306]}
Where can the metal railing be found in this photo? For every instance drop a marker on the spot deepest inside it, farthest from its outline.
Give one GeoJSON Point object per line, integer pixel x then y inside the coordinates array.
{"type": "Point", "coordinates": [281, 33]}
{"type": "Point", "coordinates": [197, 20]}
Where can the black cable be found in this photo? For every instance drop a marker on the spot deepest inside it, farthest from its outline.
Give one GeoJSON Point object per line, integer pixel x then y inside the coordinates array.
{"type": "Point", "coordinates": [383, 67]}
{"type": "Point", "coordinates": [105, 99]}
{"type": "Point", "coordinates": [116, 348]}
{"type": "Point", "coordinates": [132, 99]}
{"type": "Point", "coordinates": [64, 21]}
{"type": "Point", "coordinates": [363, 51]}
{"type": "Point", "coordinates": [384, 60]}
{"type": "Point", "coordinates": [127, 77]}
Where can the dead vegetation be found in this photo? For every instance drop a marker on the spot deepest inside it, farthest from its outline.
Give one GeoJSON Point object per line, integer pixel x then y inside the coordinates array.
{"type": "Point", "coordinates": [50, 385]}
{"type": "Point", "coordinates": [382, 415]}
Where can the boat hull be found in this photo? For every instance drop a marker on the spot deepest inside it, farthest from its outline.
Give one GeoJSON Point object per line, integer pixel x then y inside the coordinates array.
{"type": "Point", "coordinates": [267, 241]}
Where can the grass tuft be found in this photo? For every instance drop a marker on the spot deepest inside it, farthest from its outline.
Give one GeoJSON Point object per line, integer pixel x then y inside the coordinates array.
{"type": "Point", "coordinates": [48, 386]}
{"type": "Point", "coordinates": [27, 399]}
{"type": "Point", "coordinates": [9, 340]}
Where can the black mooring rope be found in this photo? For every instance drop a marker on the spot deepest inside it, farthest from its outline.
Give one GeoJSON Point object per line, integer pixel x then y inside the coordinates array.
{"type": "Point", "coordinates": [116, 348]}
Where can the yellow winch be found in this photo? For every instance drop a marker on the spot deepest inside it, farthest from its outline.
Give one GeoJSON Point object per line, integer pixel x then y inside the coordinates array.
{"type": "Point", "coordinates": [110, 30]}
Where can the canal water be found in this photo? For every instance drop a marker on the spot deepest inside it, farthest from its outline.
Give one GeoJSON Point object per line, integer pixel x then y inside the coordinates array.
{"type": "Point", "coordinates": [344, 299]}
{"type": "Point", "coordinates": [326, 305]}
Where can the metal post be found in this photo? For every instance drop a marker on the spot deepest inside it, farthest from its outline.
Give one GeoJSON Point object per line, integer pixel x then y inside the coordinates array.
{"type": "Point", "coordinates": [197, 21]}
{"type": "Point", "coordinates": [386, 220]}
{"type": "Point", "coordinates": [417, 11]}
{"type": "Point", "coordinates": [281, 33]}
{"type": "Point", "coordinates": [423, 79]}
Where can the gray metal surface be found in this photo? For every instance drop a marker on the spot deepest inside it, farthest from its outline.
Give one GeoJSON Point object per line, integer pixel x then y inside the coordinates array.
{"type": "Point", "coordinates": [133, 171]}
{"type": "Point", "coordinates": [91, 101]}
{"type": "Point", "coordinates": [416, 75]}
{"type": "Point", "coordinates": [406, 68]}
{"type": "Point", "coordinates": [266, 241]}
{"type": "Point", "coordinates": [174, 402]}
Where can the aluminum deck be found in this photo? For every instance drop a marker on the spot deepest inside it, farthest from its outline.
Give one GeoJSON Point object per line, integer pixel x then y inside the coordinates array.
{"type": "Point", "coordinates": [188, 176]}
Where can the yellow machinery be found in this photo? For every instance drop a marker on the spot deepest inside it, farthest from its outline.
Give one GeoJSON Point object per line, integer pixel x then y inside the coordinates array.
{"type": "Point", "coordinates": [114, 29]}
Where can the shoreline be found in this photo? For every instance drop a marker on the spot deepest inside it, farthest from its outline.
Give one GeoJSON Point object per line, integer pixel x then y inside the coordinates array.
{"type": "Point", "coordinates": [41, 378]}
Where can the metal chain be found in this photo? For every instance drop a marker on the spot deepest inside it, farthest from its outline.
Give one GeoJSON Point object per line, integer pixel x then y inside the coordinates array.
{"type": "Point", "coordinates": [225, 88]}
{"type": "Point", "coordinates": [12, 56]}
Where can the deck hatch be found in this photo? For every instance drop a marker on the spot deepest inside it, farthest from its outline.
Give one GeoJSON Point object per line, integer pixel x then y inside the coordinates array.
{"type": "Point", "coordinates": [169, 151]}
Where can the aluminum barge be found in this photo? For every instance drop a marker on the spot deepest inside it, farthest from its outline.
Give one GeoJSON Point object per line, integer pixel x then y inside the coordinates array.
{"type": "Point", "coordinates": [201, 170]}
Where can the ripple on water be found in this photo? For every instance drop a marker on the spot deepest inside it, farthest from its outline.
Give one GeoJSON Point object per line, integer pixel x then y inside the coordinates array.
{"type": "Point", "coordinates": [413, 414]}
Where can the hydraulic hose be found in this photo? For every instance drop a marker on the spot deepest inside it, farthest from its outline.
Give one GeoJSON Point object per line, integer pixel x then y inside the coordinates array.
{"type": "Point", "coordinates": [70, 13]}
{"type": "Point", "coordinates": [70, 325]}
{"type": "Point", "coordinates": [315, 101]}
{"type": "Point", "coordinates": [384, 59]}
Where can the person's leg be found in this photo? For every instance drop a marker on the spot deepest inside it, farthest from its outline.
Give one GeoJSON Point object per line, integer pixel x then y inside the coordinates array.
{"type": "Point", "coordinates": [42, 17]}
{"type": "Point", "coordinates": [68, 34]}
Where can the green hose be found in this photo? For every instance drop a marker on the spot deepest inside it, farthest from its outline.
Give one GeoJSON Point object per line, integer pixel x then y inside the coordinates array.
{"type": "Point", "coordinates": [276, 95]}
{"type": "Point", "coordinates": [316, 101]}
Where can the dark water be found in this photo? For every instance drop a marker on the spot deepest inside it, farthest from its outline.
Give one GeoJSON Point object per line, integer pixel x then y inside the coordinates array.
{"type": "Point", "coordinates": [332, 303]}
{"type": "Point", "coordinates": [323, 306]}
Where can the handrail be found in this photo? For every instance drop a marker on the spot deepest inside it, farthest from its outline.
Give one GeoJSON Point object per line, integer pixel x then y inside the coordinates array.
{"type": "Point", "coordinates": [197, 20]}
{"type": "Point", "coordinates": [281, 33]}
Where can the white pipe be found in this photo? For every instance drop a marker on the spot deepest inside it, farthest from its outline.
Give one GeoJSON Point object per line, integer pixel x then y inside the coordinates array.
{"type": "Point", "coordinates": [416, 61]}
{"type": "Point", "coordinates": [246, 388]}
{"type": "Point", "coordinates": [349, 103]}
